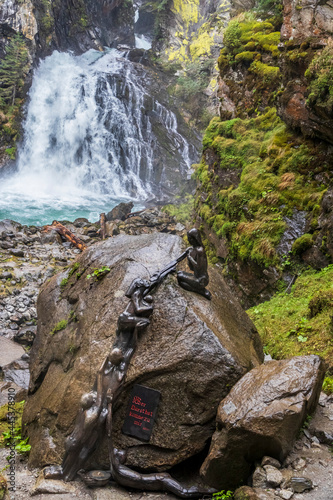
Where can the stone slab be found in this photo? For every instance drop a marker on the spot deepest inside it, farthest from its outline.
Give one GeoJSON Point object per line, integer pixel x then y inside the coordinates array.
{"type": "Point", "coordinates": [9, 351]}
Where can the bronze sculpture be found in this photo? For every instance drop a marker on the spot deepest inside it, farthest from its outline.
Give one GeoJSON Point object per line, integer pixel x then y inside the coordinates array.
{"type": "Point", "coordinates": [197, 261]}
{"type": "Point", "coordinates": [158, 481]}
{"type": "Point", "coordinates": [97, 405]}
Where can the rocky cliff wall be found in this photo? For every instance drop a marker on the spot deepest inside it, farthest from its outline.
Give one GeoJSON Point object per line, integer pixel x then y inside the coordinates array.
{"type": "Point", "coordinates": [267, 159]}
{"type": "Point", "coordinates": [305, 18]}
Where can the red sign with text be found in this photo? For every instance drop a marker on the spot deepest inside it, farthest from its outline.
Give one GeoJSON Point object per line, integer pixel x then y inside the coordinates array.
{"type": "Point", "coordinates": [141, 412]}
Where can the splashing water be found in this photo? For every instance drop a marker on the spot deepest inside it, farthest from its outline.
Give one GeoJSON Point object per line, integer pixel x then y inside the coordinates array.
{"type": "Point", "coordinates": [89, 142]}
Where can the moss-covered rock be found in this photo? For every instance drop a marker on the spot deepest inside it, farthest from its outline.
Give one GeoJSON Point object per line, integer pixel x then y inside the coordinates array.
{"type": "Point", "coordinates": [256, 173]}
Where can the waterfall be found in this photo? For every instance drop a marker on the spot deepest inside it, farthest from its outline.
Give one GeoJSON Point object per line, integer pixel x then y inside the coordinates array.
{"type": "Point", "coordinates": [94, 130]}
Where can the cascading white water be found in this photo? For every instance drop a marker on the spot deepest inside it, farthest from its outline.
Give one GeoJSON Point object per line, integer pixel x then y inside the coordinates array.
{"type": "Point", "coordinates": [89, 139]}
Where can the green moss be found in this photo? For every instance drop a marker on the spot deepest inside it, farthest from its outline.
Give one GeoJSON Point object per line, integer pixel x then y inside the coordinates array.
{"type": "Point", "coordinates": [63, 282]}
{"type": "Point", "coordinates": [284, 321]}
{"type": "Point", "coordinates": [74, 268]}
{"type": "Point", "coordinates": [328, 385]}
{"type": "Point", "coordinates": [246, 56]}
{"type": "Point", "coordinates": [269, 74]}
{"type": "Point", "coordinates": [320, 77]}
{"type": "Point", "coordinates": [251, 213]}
{"type": "Point", "coordinates": [183, 212]}
{"type": "Point", "coordinates": [5, 434]}
{"type": "Point", "coordinates": [302, 243]}
{"type": "Point", "coordinates": [232, 35]}
{"type": "Point", "coordinates": [61, 325]}
{"type": "Point", "coordinates": [319, 302]}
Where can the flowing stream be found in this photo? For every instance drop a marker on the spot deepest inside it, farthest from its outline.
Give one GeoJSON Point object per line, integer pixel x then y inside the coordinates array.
{"type": "Point", "coordinates": [94, 136]}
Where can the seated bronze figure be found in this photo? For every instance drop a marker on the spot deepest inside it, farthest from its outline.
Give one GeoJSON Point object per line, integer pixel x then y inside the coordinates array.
{"type": "Point", "coordinates": [197, 261]}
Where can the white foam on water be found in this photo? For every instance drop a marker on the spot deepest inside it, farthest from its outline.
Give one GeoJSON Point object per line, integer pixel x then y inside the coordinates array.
{"type": "Point", "coordinates": [88, 141]}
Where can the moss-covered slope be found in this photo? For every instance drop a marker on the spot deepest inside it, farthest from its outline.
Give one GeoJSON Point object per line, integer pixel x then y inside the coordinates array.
{"type": "Point", "coordinates": [299, 322]}
{"type": "Point", "coordinates": [263, 195]}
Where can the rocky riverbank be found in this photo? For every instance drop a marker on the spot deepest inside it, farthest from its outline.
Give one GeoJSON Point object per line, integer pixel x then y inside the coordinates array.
{"type": "Point", "coordinates": [28, 258]}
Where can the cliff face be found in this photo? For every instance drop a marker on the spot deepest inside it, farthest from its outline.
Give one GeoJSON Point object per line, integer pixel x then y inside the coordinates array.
{"type": "Point", "coordinates": [83, 24]}
{"type": "Point", "coordinates": [307, 29]}
{"type": "Point", "coordinates": [267, 162]}
{"type": "Point", "coordinates": [304, 18]}
{"type": "Point", "coordinates": [17, 16]}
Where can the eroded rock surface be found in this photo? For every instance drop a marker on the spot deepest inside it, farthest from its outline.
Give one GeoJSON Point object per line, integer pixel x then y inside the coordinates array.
{"type": "Point", "coordinates": [262, 416]}
{"type": "Point", "coordinates": [306, 18]}
{"type": "Point", "coordinates": [193, 351]}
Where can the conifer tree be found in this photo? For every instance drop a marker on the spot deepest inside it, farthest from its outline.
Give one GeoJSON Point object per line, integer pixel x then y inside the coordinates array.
{"type": "Point", "coordinates": [13, 68]}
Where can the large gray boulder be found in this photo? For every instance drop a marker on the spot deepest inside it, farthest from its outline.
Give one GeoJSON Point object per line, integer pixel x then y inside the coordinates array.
{"type": "Point", "coordinates": [262, 415]}
{"type": "Point", "coordinates": [193, 352]}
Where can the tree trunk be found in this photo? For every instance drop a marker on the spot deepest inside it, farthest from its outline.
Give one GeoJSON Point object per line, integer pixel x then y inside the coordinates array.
{"type": "Point", "coordinates": [67, 234]}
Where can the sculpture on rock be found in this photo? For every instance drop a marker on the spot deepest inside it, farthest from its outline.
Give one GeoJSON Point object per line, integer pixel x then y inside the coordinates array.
{"type": "Point", "coordinates": [197, 261]}
{"type": "Point", "coordinates": [89, 424]}
{"type": "Point", "coordinates": [97, 405]}
{"type": "Point", "coordinates": [158, 481]}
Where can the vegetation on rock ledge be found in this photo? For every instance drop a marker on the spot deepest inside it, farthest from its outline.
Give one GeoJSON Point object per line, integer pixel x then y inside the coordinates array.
{"type": "Point", "coordinates": [13, 70]}
{"type": "Point", "coordinates": [256, 175]}
{"type": "Point", "coordinates": [299, 322]}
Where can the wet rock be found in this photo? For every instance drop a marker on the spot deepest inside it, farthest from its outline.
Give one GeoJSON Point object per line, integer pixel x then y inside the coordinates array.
{"type": "Point", "coordinates": [50, 236]}
{"type": "Point", "coordinates": [293, 109]}
{"type": "Point", "coordinates": [18, 372]}
{"type": "Point", "coordinates": [189, 339]}
{"type": "Point", "coordinates": [52, 486]}
{"type": "Point", "coordinates": [120, 212]}
{"type": "Point", "coordinates": [262, 415]}
{"type": "Point", "coordinates": [270, 461]}
{"type": "Point", "coordinates": [273, 476]}
{"type": "Point", "coordinates": [9, 351]}
{"type": "Point", "coordinates": [311, 20]}
{"type": "Point", "coordinates": [81, 222]}
{"type": "Point", "coordinates": [259, 478]}
{"type": "Point", "coordinates": [299, 464]}
{"type": "Point", "coordinates": [9, 226]}
{"type": "Point", "coordinates": [17, 252]}
{"type": "Point", "coordinates": [20, 393]}
{"type": "Point", "coordinates": [26, 336]}
{"type": "Point", "coordinates": [6, 275]}
{"type": "Point", "coordinates": [295, 229]}
{"type": "Point", "coordinates": [111, 229]}
{"type": "Point", "coordinates": [6, 245]}
{"type": "Point", "coordinates": [286, 494]}
{"type": "Point", "coordinates": [321, 425]}
{"type": "Point", "coordinates": [300, 484]}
